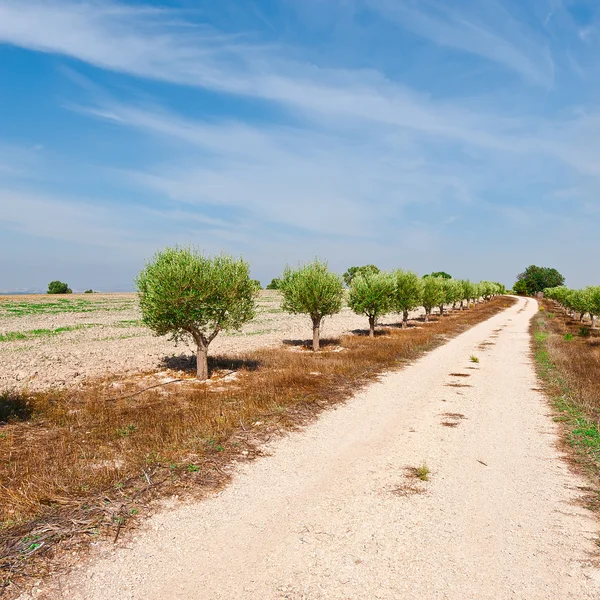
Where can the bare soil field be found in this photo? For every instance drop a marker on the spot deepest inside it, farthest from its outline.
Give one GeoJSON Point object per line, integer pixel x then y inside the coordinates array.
{"type": "Point", "coordinates": [59, 341]}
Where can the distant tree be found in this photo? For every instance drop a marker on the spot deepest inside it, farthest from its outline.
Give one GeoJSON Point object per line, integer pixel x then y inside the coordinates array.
{"type": "Point", "coordinates": [441, 274]}
{"type": "Point", "coordinates": [535, 279]}
{"type": "Point", "coordinates": [88, 292]}
{"type": "Point", "coordinates": [257, 284]}
{"type": "Point", "coordinates": [186, 294]}
{"type": "Point", "coordinates": [313, 290]}
{"type": "Point", "coordinates": [275, 284]}
{"type": "Point", "coordinates": [594, 299]}
{"type": "Point", "coordinates": [371, 295]}
{"type": "Point", "coordinates": [433, 294]}
{"type": "Point", "coordinates": [352, 272]}
{"type": "Point", "coordinates": [452, 293]}
{"type": "Point", "coordinates": [408, 293]}
{"type": "Point", "coordinates": [58, 287]}
{"type": "Point", "coordinates": [467, 292]}
{"type": "Point", "coordinates": [520, 288]}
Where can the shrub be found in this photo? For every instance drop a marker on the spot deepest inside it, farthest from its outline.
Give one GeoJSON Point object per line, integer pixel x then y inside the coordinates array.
{"type": "Point", "coordinates": [58, 287]}
{"type": "Point", "coordinates": [371, 295]}
{"type": "Point", "coordinates": [188, 295]}
{"type": "Point", "coordinates": [352, 272]}
{"type": "Point", "coordinates": [407, 294]}
{"type": "Point", "coordinates": [313, 290]}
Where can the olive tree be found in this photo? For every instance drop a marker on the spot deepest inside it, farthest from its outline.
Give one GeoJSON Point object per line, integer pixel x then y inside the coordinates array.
{"type": "Point", "coordinates": [188, 295]}
{"type": "Point", "coordinates": [371, 295]}
{"type": "Point", "coordinates": [313, 290]}
{"type": "Point", "coordinates": [407, 294]}
{"type": "Point", "coordinates": [452, 292]}
{"type": "Point", "coordinates": [594, 296]}
{"type": "Point", "coordinates": [433, 294]}
{"type": "Point", "coordinates": [467, 292]}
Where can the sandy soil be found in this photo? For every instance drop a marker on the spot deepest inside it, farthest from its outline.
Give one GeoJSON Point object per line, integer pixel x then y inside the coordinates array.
{"type": "Point", "coordinates": [110, 339]}
{"type": "Point", "coordinates": [330, 513]}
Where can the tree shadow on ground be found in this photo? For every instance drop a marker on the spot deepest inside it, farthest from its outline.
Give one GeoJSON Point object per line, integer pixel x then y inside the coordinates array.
{"type": "Point", "coordinates": [324, 342]}
{"type": "Point", "coordinates": [398, 324]}
{"type": "Point", "coordinates": [14, 407]}
{"type": "Point", "coordinates": [378, 332]}
{"type": "Point", "coordinates": [187, 362]}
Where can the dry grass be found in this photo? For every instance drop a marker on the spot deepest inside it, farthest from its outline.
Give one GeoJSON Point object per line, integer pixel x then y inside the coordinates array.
{"type": "Point", "coordinates": [80, 463]}
{"type": "Point", "coordinates": [577, 359]}
{"type": "Point", "coordinates": [568, 356]}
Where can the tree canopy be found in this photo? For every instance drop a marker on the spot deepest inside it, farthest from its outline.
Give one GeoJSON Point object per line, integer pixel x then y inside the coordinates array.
{"type": "Point", "coordinates": [536, 279]}
{"type": "Point", "coordinates": [313, 290]}
{"type": "Point", "coordinates": [186, 294]}
{"type": "Point", "coordinates": [352, 272]}
{"type": "Point", "coordinates": [58, 287]}
{"type": "Point", "coordinates": [371, 295]}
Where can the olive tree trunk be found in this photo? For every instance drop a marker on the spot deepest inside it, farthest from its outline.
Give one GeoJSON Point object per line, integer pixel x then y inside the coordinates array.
{"type": "Point", "coordinates": [427, 313]}
{"type": "Point", "coordinates": [405, 319]}
{"type": "Point", "coordinates": [371, 326]}
{"type": "Point", "coordinates": [316, 334]}
{"type": "Point", "coordinates": [201, 362]}
{"type": "Point", "coordinates": [441, 310]}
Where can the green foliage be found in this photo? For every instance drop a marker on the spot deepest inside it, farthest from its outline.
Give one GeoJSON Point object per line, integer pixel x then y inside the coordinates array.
{"type": "Point", "coordinates": [585, 301]}
{"type": "Point", "coordinates": [352, 272]}
{"type": "Point", "coordinates": [408, 291]}
{"type": "Point", "coordinates": [453, 291]}
{"type": "Point", "coordinates": [441, 274]}
{"type": "Point", "coordinates": [536, 279]}
{"type": "Point", "coordinates": [257, 284]}
{"type": "Point", "coordinates": [313, 290]}
{"type": "Point", "coordinates": [520, 288]}
{"type": "Point", "coordinates": [89, 292]}
{"type": "Point", "coordinates": [371, 295]}
{"type": "Point", "coordinates": [58, 287]}
{"type": "Point", "coordinates": [186, 294]}
{"type": "Point", "coordinates": [433, 293]}
{"type": "Point", "coordinates": [275, 284]}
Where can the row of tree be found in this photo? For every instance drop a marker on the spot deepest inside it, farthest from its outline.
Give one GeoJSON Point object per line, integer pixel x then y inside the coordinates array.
{"type": "Point", "coordinates": [577, 302]}
{"type": "Point", "coordinates": [185, 294]}
{"type": "Point", "coordinates": [401, 291]}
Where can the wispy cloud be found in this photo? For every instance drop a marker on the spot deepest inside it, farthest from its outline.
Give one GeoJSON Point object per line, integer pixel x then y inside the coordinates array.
{"type": "Point", "coordinates": [485, 29]}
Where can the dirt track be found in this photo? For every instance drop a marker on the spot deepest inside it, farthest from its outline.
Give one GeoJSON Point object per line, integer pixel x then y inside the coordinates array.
{"type": "Point", "coordinates": [331, 512]}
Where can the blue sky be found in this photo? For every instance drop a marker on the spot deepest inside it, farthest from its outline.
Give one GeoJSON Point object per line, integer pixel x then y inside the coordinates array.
{"type": "Point", "coordinates": [433, 135]}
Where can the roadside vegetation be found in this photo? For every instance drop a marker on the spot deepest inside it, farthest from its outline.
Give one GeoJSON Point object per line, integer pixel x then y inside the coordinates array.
{"type": "Point", "coordinates": [567, 353]}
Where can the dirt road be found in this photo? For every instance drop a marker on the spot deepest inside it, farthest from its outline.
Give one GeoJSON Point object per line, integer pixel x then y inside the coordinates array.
{"type": "Point", "coordinates": [332, 514]}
